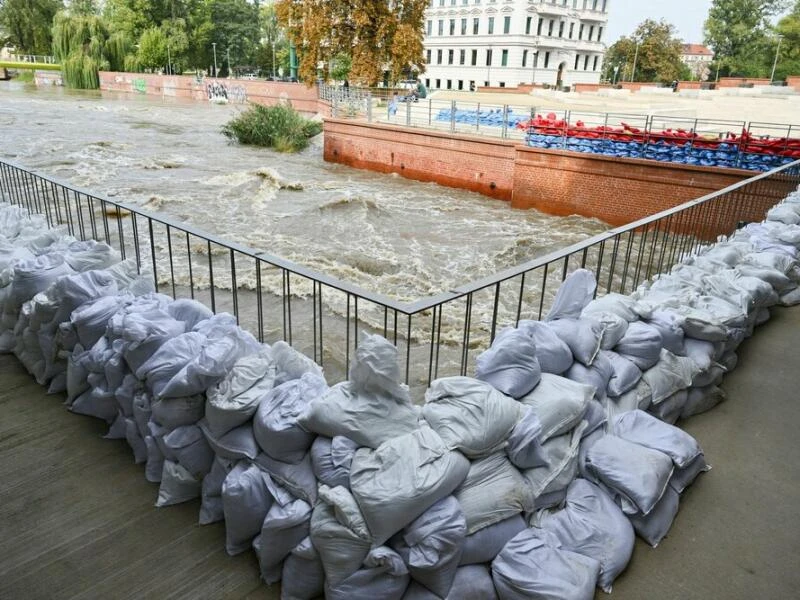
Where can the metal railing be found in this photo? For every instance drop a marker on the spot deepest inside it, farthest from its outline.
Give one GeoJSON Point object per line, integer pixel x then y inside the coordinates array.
{"type": "Point", "coordinates": [31, 58]}
{"type": "Point", "coordinates": [323, 317]}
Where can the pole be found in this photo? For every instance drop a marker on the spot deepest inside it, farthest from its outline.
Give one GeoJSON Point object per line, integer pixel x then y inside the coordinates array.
{"type": "Point", "coordinates": [273, 59]}
{"type": "Point", "coordinates": [228, 52]}
{"type": "Point", "coordinates": [533, 75]}
{"type": "Point", "coordinates": [169, 60]}
{"type": "Point", "coordinates": [635, 57]}
{"type": "Point", "coordinates": [214, 46]}
{"type": "Point", "coordinates": [489, 67]}
{"type": "Point", "coordinates": [775, 64]}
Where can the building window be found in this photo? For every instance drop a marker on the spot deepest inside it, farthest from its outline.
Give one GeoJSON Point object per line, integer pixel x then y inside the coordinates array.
{"type": "Point", "coordinates": [506, 24]}
{"type": "Point", "coordinates": [485, 84]}
{"type": "Point", "coordinates": [528, 25]}
{"type": "Point", "coordinates": [463, 27]}
{"type": "Point", "coordinates": [491, 25]}
{"type": "Point", "coordinates": [429, 28]}
{"type": "Point", "coordinates": [441, 27]}
{"type": "Point", "coordinates": [561, 29]}
{"type": "Point", "coordinates": [449, 57]}
{"type": "Point", "coordinates": [472, 86]}
{"type": "Point", "coordinates": [502, 84]}
{"type": "Point", "coordinates": [594, 65]}
{"type": "Point", "coordinates": [539, 26]}
{"type": "Point", "coordinates": [586, 63]}
{"type": "Point", "coordinates": [438, 84]}
{"type": "Point", "coordinates": [504, 58]}
{"type": "Point", "coordinates": [571, 30]}
{"type": "Point", "coordinates": [452, 26]}
{"type": "Point", "coordinates": [489, 57]}
{"type": "Point", "coordinates": [475, 25]}
{"type": "Point", "coordinates": [474, 57]}
{"type": "Point", "coordinates": [599, 33]}
{"type": "Point", "coordinates": [462, 56]}
{"type": "Point", "coordinates": [577, 58]}
{"type": "Point", "coordinates": [591, 33]}
{"type": "Point", "coordinates": [524, 58]}
{"type": "Point", "coordinates": [449, 84]}
{"type": "Point", "coordinates": [460, 84]}
{"type": "Point", "coordinates": [438, 57]}
{"type": "Point", "coordinates": [550, 27]}
{"type": "Point", "coordinates": [428, 57]}
{"type": "Point", "coordinates": [580, 32]}
{"type": "Point", "coordinates": [546, 59]}
{"type": "Point", "coordinates": [427, 83]}
{"type": "Point", "coordinates": [536, 59]}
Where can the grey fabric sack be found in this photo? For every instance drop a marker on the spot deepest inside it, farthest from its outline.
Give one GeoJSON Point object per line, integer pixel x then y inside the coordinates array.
{"type": "Point", "coordinates": [482, 546]}
{"type": "Point", "coordinates": [303, 577]}
{"type": "Point", "coordinates": [625, 374]}
{"type": "Point", "coordinates": [653, 527]}
{"type": "Point", "coordinates": [641, 344]}
{"type": "Point", "coordinates": [583, 336]}
{"type": "Point", "coordinates": [644, 429]}
{"type": "Point", "coordinates": [472, 582]}
{"type": "Point", "coordinates": [298, 478]}
{"type": "Point", "coordinates": [384, 576]}
{"type": "Point", "coordinates": [331, 460]}
{"type": "Point", "coordinates": [211, 509]}
{"type": "Point", "coordinates": [177, 485]}
{"type": "Point", "coordinates": [246, 500]}
{"type": "Point", "coordinates": [553, 354]}
{"type": "Point", "coordinates": [191, 449]}
{"type": "Point", "coordinates": [510, 364]}
{"type": "Point", "coordinates": [285, 526]}
{"type": "Point", "coordinates": [559, 404]}
{"type": "Point", "coordinates": [236, 444]}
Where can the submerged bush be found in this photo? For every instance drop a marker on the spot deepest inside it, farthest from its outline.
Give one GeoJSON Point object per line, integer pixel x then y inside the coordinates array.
{"type": "Point", "coordinates": [280, 127]}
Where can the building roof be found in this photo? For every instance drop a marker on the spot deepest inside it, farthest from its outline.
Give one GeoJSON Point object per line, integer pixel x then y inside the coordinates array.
{"type": "Point", "coordinates": [696, 49]}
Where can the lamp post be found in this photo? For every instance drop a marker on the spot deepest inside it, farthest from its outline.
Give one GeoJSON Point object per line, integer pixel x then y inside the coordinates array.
{"type": "Point", "coordinates": [533, 74]}
{"type": "Point", "coordinates": [614, 78]}
{"type": "Point", "coordinates": [273, 59]}
{"type": "Point", "coordinates": [169, 60]}
{"type": "Point", "coordinates": [635, 57]}
{"type": "Point", "coordinates": [489, 66]}
{"type": "Point", "coordinates": [214, 46]}
{"type": "Point", "coordinates": [775, 64]}
{"type": "Point", "coordinates": [228, 53]}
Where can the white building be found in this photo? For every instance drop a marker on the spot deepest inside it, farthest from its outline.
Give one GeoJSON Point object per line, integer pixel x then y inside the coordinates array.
{"type": "Point", "coordinates": [472, 43]}
{"type": "Point", "coordinates": [698, 58]}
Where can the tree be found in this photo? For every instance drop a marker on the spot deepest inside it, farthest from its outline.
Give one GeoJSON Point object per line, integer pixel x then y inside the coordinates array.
{"type": "Point", "coordinates": [738, 32]}
{"type": "Point", "coordinates": [378, 35]}
{"type": "Point", "coordinates": [654, 49]}
{"type": "Point", "coordinates": [340, 67]}
{"type": "Point", "coordinates": [789, 59]}
{"type": "Point", "coordinates": [27, 24]}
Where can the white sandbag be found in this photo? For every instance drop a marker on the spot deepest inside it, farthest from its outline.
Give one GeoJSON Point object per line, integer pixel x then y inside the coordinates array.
{"type": "Point", "coordinates": [574, 294]}
{"type": "Point", "coordinates": [174, 412]}
{"type": "Point", "coordinates": [235, 399]}
{"type": "Point", "coordinates": [222, 348]}
{"type": "Point", "coordinates": [144, 332]}
{"type": "Point", "coordinates": [596, 376]}
{"type": "Point", "coordinates": [191, 450]}
{"type": "Point", "coordinates": [376, 368]}
{"type": "Point", "coordinates": [404, 477]}
{"type": "Point", "coordinates": [211, 509]}
{"type": "Point", "coordinates": [638, 475]}
{"type": "Point", "coordinates": [533, 565]}
{"type": "Point", "coordinates": [303, 577]}
{"type": "Point", "coordinates": [643, 429]}
{"type": "Point", "coordinates": [188, 311]}
{"type": "Point", "coordinates": [510, 364]}
{"type": "Point", "coordinates": [157, 432]}
{"type": "Point", "coordinates": [591, 524]}
{"type": "Point", "coordinates": [791, 298]}
{"type": "Point", "coordinates": [331, 459]}
{"type": "Point", "coordinates": [641, 344]}
{"type": "Point", "coordinates": [142, 411]}
{"type": "Point", "coordinates": [618, 304]}
{"type": "Point", "coordinates": [155, 460]}
{"type": "Point", "coordinates": [116, 430]}
{"type": "Point", "coordinates": [298, 477]}
{"type": "Point", "coordinates": [669, 325]}
{"type": "Point", "coordinates": [482, 546]}
{"type": "Point", "coordinates": [624, 374]}
{"type": "Point", "coordinates": [135, 441]}
{"type": "Point", "coordinates": [670, 409]}
{"type": "Point", "coordinates": [169, 359]}
{"type": "Point", "coordinates": [431, 545]}
{"type": "Point", "coordinates": [96, 402]}
{"type": "Point", "coordinates": [553, 354]}
{"type": "Point", "coordinates": [367, 419]}
{"type": "Point", "coordinates": [685, 476]}
{"type": "Point", "coordinates": [523, 446]}
{"type": "Point", "coordinates": [702, 352]}
{"type": "Point", "coordinates": [285, 526]}
{"type": "Point", "coordinates": [177, 485]}
{"type": "Point", "coordinates": [614, 328]}
{"type": "Point", "coordinates": [34, 276]}
{"type": "Point", "coordinates": [246, 500]}
{"type": "Point", "coordinates": [339, 533]}
{"type": "Point", "coordinates": [472, 582]}
{"type": "Point", "coordinates": [236, 444]}
{"type": "Point", "coordinates": [125, 391]}
{"type": "Point", "coordinates": [582, 336]}
{"type": "Point", "coordinates": [702, 399]}
{"type": "Point", "coordinates": [729, 360]}
{"type": "Point", "coordinates": [384, 576]}
{"type": "Point", "coordinates": [493, 491]}
{"type": "Point", "coordinates": [291, 364]}
{"type": "Point", "coordinates": [669, 375]}
{"type": "Point", "coordinates": [653, 527]}
{"type": "Point", "coordinates": [558, 403]}
{"type": "Point", "coordinates": [548, 484]}
{"type": "Point", "coordinates": [72, 291]}
{"type": "Point", "coordinates": [775, 278]}
{"type": "Point", "coordinates": [275, 423]}
{"type": "Point", "coordinates": [86, 255]}
{"type": "Point", "coordinates": [470, 415]}
{"type": "Point", "coordinates": [711, 376]}
{"type": "Point", "coordinates": [76, 374]}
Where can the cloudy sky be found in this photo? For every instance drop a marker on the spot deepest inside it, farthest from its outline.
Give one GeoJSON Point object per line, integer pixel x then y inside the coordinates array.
{"type": "Point", "coordinates": [687, 15]}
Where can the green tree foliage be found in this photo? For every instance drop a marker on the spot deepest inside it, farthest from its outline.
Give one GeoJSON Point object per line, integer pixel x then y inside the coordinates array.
{"type": "Point", "coordinates": [79, 43]}
{"type": "Point", "coordinates": [27, 24]}
{"type": "Point", "coordinates": [340, 67]}
{"type": "Point", "coordinates": [789, 59]}
{"type": "Point", "coordinates": [374, 33]}
{"type": "Point", "coordinates": [236, 31]}
{"type": "Point", "coordinates": [654, 48]}
{"type": "Point", "coordinates": [739, 33]}
{"type": "Point", "coordinates": [280, 127]}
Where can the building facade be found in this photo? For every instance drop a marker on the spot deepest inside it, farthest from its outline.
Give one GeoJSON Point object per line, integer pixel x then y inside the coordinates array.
{"type": "Point", "coordinates": [698, 58]}
{"type": "Point", "coordinates": [503, 43]}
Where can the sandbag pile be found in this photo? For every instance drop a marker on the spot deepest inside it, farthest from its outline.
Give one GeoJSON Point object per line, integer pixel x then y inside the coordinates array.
{"type": "Point", "coordinates": [529, 480]}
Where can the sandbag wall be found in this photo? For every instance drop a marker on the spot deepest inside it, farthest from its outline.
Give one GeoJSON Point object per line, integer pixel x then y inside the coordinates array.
{"type": "Point", "coordinates": [531, 478]}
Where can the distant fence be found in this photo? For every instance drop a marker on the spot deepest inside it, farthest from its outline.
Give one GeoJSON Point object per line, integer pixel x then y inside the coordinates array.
{"type": "Point", "coordinates": [323, 317]}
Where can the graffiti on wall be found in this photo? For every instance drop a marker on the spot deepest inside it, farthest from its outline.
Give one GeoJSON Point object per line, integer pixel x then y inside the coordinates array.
{"type": "Point", "coordinates": [139, 85]}
{"type": "Point", "coordinates": [221, 93]}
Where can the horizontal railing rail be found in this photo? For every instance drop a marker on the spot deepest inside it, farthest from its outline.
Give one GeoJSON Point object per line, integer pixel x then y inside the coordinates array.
{"type": "Point", "coordinates": [323, 316]}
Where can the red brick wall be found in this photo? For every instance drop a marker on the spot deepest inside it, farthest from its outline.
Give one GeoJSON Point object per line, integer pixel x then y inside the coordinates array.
{"type": "Point", "coordinates": [615, 190]}
{"type": "Point", "coordinates": [472, 163]}
{"type": "Point", "coordinates": [303, 98]}
{"type": "Point", "coordinates": [727, 82]}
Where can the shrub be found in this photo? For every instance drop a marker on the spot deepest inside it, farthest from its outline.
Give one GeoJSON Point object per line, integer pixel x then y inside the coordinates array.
{"type": "Point", "coordinates": [280, 127]}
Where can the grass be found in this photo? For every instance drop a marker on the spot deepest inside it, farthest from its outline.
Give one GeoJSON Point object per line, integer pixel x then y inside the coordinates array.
{"type": "Point", "coordinates": [279, 127]}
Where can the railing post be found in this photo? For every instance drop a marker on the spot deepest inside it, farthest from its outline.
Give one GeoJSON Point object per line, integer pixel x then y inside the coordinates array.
{"type": "Point", "coordinates": [452, 116]}
{"type": "Point", "coordinates": [369, 107]}
{"type": "Point", "coordinates": [430, 110]}
{"type": "Point", "coordinates": [478, 118]}
{"type": "Point", "coordinates": [408, 113]}
{"type": "Point", "coordinates": [504, 132]}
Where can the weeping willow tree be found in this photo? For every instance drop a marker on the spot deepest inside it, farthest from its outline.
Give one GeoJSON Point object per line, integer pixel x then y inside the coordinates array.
{"type": "Point", "coordinates": [83, 46]}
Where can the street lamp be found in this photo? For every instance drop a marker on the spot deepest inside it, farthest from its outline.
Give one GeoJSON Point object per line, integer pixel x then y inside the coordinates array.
{"type": "Point", "coordinates": [273, 59]}
{"type": "Point", "coordinates": [635, 57]}
{"type": "Point", "coordinates": [775, 64]}
{"type": "Point", "coordinates": [228, 52]}
{"type": "Point", "coordinates": [169, 60]}
{"type": "Point", "coordinates": [614, 78]}
{"type": "Point", "coordinates": [214, 46]}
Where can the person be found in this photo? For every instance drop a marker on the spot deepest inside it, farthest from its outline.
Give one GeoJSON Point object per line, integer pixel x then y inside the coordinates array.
{"type": "Point", "coordinates": [346, 85]}
{"type": "Point", "coordinates": [393, 105]}
{"type": "Point", "coordinates": [675, 85]}
{"type": "Point", "coordinates": [422, 91]}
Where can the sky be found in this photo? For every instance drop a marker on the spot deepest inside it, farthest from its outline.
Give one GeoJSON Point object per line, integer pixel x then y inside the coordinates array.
{"type": "Point", "coordinates": [687, 15]}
